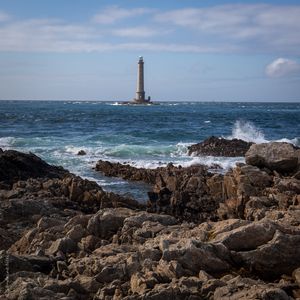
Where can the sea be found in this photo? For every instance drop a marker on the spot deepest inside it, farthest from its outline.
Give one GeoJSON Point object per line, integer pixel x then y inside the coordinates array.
{"type": "Point", "coordinates": [142, 136]}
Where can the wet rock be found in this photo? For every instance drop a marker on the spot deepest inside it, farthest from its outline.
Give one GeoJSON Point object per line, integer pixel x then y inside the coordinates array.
{"type": "Point", "coordinates": [81, 152]}
{"type": "Point", "coordinates": [126, 171]}
{"type": "Point", "coordinates": [214, 146]}
{"type": "Point", "coordinates": [281, 157]}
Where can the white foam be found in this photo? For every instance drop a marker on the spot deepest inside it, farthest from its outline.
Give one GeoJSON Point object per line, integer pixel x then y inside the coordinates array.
{"type": "Point", "coordinates": [295, 141]}
{"type": "Point", "coordinates": [181, 150]}
{"type": "Point", "coordinates": [247, 131]}
{"type": "Point", "coordinates": [7, 142]}
{"type": "Point", "coordinates": [73, 149]}
{"type": "Point", "coordinates": [210, 161]}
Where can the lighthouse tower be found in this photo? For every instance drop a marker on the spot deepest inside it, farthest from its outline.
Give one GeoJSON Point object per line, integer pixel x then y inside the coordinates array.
{"type": "Point", "coordinates": [140, 92]}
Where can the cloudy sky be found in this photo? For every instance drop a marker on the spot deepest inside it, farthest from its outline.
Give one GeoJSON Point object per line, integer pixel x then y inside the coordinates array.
{"type": "Point", "coordinates": [195, 50]}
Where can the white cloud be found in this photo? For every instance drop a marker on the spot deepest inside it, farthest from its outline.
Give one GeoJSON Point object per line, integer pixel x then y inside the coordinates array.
{"type": "Point", "coordinates": [113, 14]}
{"type": "Point", "coordinates": [48, 35]}
{"type": "Point", "coordinates": [137, 32]}
{"type": "Point", "coordinates": [282, 67]}
{"type": "Point", "coordinates": [264, 27]}
{"type": "Point", "coordinates": [4, 16]}
{"type": "Point", "coordinates": [236, 28]}
{"type": "Point", "coordinates": [41, 35]}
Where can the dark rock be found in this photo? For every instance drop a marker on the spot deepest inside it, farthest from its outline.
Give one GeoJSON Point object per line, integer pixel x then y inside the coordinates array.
{"type": "Point", "coordinates": [126, 172]}
{"type": "Point", "coordinates": [16, 166]}
{"type": "Point", "coordinates": [214, 146]}
{"type": "Point", "coordinates": [81, 152]}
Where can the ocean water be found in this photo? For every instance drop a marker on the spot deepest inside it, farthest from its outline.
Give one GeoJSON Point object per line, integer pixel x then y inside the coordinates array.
{"type": "Point", "coordinates": [143, 136]}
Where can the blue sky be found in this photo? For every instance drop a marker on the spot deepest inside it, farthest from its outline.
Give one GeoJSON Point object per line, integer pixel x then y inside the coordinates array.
{"type": "Point", "coordinates": [193, 50]}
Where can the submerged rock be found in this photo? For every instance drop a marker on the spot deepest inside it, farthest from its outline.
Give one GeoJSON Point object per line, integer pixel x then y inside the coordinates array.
{"type": "Point", "coordinates": [215, 146]}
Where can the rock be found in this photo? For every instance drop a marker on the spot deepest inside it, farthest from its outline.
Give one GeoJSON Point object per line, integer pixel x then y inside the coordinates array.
{"type": "Point", "coordinates": [108, 221]}
{"type": "Point", "coordinates": [240, 184]}
{"type": "Point", "coordinates": [90, 284]}
{"type": "Point", "coordinates": [244, 288]}
{"type": "Point", "coordinates": [247, 237]}
{"type": "Point", "coordinates": [288, 184]}
{"type": "Point", "coordinates": [81, 152]}
{"type": "Point", "coordinates": [16, 166]}
{"type": "Point", "coordinates": [76, 233]}
{"type": "Point", "coordinates": [65, 245]}
{"type": "Point", "coordinates": [214, 146]}
{"type": "Point", "coordinates": [23, 263]}
{"type": "Point", "coordinates": [195, 256]}
{"type": "Point", "coordinates": [279, 256]}
{"type": "Point", "coordinates": [126, 171]}
{"type": "Point", "coordinates": [296, 276]}
{"type": "Point", "coordinates": [281, 157]}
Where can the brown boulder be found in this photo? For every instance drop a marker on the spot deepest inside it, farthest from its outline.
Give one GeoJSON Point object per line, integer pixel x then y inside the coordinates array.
{"type": "Point", "coordinates": [279, 256]}
{"type": "Point", "coordinates": [281, 157]}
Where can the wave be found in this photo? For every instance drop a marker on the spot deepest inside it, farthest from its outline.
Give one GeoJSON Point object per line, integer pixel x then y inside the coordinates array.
{"type": "Point", "coordinates": [247, 131]}
{"type": "Point", "coordinates": [7, 142]}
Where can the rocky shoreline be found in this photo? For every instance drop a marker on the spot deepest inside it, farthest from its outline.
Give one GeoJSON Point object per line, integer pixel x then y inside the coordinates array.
{"type": "Point", "coordinates": [200, 236]}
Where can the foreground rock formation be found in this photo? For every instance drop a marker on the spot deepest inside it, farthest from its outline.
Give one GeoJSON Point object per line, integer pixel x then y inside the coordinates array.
{"type": "Point", "coordinates": [208, 236]}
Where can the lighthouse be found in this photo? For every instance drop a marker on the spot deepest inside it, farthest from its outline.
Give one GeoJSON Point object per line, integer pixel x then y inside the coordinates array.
{"type": "Point", "coordinates": [140, 91]}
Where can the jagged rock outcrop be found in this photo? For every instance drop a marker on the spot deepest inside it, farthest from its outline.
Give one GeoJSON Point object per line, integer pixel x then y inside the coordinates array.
{"type": "Point", "coordinates": [215, 146]}
{"type": "Point", "coordinates": [72, 240]}
{"type": "Point", "coordinates": [190, 193]}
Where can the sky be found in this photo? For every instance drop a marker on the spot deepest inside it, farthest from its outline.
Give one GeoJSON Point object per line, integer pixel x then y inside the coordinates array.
{"type": "Point", "coordinates": [194, 50]}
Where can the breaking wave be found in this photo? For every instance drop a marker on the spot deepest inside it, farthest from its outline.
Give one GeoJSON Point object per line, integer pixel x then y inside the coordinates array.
{"type": "Point", "coordinates": [247, 131]}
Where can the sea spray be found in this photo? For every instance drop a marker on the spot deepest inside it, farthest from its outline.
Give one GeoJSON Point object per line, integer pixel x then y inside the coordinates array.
{"type": "Point", "coordinates": [247, 131]}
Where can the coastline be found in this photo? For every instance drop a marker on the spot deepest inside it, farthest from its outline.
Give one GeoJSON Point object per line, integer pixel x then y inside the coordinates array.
{"type": "Point", "coordinates": [200, 235]}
